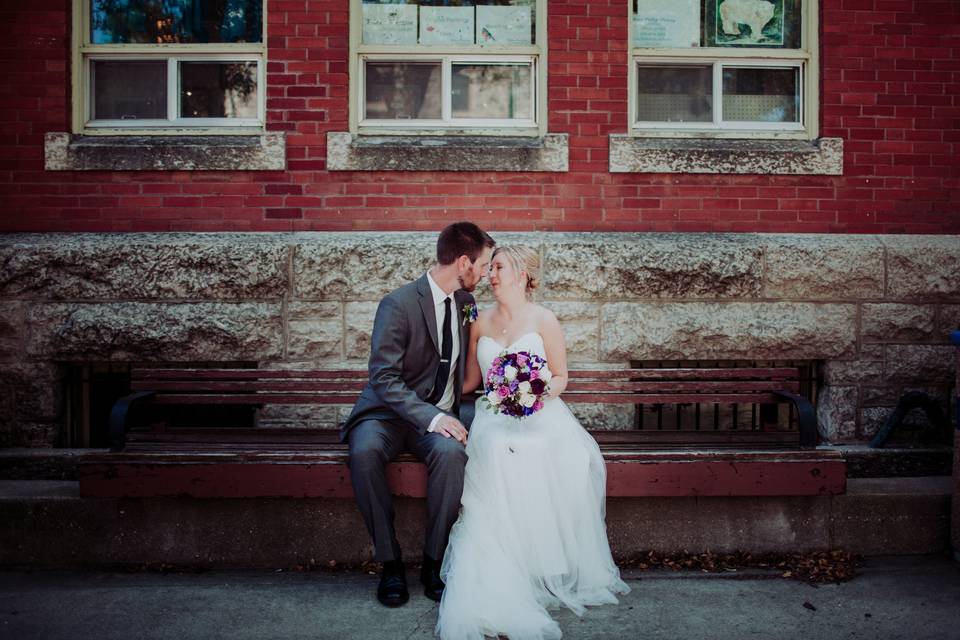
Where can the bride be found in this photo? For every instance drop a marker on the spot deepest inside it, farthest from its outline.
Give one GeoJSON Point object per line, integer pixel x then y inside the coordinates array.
{"type": "Point", "coordinates": [531, 534]}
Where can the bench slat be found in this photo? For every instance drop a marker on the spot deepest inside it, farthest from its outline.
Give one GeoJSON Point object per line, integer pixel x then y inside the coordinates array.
{"type": "Point", "coordinates": [698, 387]}
{"type": "Point", "coordinates": [251, 386]}
{"type": "Point", "coordinates": [688, 374]}
{"type": "Point", "coordinates": [243, 374]}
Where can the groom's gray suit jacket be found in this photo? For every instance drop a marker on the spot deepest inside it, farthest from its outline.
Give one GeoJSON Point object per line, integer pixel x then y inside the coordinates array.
{"type": "Point", "coordinates": [404, 357]}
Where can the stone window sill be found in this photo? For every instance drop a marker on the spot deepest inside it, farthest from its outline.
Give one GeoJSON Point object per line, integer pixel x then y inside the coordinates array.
{"type": "Point", "coordinates": [630, 154]}
{"type": "Point", "coordinates": [260, 152]}
{"type": "Point", "coordinates": [346, 152]}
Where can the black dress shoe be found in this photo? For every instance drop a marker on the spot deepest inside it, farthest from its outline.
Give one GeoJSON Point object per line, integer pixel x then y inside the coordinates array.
{"type": "Point", "coordinates": [392, 590]}
{"type": "Point", "coordinates": [430, 577]}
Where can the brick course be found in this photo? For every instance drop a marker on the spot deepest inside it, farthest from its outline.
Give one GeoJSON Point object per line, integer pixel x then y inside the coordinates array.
{"type": "Point", "coordinates": [890, 87]}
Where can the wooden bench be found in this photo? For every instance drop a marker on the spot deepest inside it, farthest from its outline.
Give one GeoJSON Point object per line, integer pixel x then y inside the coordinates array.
{"type": "Point", "coordinates": [252, 462]}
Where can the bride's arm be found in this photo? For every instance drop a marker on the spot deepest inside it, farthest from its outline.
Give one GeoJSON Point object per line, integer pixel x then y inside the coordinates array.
{"type": "Point", "coordinates": [556, 352]}
{"type": "Point", "coordinates": [471, 371]}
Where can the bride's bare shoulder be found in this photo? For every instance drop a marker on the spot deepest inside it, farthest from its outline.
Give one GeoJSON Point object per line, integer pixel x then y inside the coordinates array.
{"type": "Point", "coordinates": [544, 316]}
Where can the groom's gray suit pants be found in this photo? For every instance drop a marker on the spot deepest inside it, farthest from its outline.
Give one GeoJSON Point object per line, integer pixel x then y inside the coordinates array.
{"type": "Point", "coordinates": [374, 443]}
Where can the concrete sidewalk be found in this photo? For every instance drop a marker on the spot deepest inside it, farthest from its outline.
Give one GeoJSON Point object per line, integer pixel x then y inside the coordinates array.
{"type": "Point", "coordinates": [905, 597]}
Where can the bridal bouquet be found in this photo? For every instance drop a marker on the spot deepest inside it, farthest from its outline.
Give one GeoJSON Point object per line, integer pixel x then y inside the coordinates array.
{"type": "Point", "coordinates": [516, 384]}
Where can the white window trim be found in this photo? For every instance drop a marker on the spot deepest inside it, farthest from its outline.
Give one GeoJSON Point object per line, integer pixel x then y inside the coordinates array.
{"type": "Point", "coordinates": [83, 51]}
{"type": "Point", "coordinates": [537, 53]}
{"type": "Point", "coordinates": [807, 57]}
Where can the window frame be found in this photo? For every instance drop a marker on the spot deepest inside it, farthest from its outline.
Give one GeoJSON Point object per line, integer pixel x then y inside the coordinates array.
{"type": "Point", "coordinates": [84, 51]}
{"type": "Point", "coordinates": [536, 54]}
{"type": "Point", "coordinates": [806, 57]}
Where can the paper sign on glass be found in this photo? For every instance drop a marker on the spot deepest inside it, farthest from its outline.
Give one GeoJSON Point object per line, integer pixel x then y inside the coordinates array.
{"type": "Point", "coordinates": [503, 25]}
{"type": "Point", "coordinates": [667, 23]}
{"type": "Point", "coordinates": [446, 25]}
{"type": "Point", "coordinates": [389, 23]}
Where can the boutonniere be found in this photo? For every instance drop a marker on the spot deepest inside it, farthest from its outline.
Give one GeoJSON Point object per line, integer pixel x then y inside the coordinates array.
{"type": "Point", "coordinates": [469, 312]}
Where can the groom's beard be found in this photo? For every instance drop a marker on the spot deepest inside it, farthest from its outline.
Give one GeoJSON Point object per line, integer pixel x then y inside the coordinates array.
{"type": "Point", "coordinates": [463, 285]}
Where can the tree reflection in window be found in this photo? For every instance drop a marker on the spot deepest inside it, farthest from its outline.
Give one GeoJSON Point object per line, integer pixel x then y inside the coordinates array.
{"type": "Point", "coordinates": [175, 21]}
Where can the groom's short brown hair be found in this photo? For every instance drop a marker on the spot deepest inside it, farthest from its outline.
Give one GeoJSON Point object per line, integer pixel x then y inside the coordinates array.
{"type": "Point", "coordinates": [462, 239]}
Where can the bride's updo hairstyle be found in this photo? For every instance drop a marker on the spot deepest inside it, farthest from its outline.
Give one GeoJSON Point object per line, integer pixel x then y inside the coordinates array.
{"type": "Point", "coordinates": [522, 259]}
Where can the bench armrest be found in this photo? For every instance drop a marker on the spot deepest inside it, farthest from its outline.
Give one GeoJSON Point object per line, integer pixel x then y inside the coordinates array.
{"type": "Point", "coordinates": [120, 415]}
{"type": "Point", "coordinates": [806, 417]}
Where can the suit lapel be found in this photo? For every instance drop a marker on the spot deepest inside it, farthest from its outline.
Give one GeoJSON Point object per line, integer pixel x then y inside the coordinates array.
{"type": "Point", "coordinates": [464, 337]}
{"type": "Point", "coordinates": [427, 307]}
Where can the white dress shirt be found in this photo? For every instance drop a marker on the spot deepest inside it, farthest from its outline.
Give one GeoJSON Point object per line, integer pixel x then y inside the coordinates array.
{"type": "Point", "coordinates": [446, 400]}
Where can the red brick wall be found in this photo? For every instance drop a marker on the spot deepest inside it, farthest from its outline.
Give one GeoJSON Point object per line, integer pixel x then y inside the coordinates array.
{"type": "Point", "coordinates": [890, 88]}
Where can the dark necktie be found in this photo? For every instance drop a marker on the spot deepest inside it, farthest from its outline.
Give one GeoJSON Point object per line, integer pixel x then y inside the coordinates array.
{"type": "Point", "coordinates": [446, 348]}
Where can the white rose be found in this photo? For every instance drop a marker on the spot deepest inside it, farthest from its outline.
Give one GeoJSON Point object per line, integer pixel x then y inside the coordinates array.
{"type": "Point", "coordinates": [493, 397]}
{"type": "Point", "coordinates": [528, 399]}
{"type": "Point", "coordinates": [524, 387]}
{"type": "Point", "coordinates": [509, 372]}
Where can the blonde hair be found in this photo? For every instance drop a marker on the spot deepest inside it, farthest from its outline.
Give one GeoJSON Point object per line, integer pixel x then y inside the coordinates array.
{"type": "Point", "coordinates": [522, 259]}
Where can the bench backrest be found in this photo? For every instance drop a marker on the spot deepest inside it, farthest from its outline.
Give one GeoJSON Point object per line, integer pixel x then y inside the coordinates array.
{"type": "Point", "coordinates": [341, 386]}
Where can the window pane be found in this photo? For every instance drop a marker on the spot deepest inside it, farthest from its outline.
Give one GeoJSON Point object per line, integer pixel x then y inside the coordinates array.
{"type": "Point", "coordinates": [157, 21]}
{"type": "Point", "coordinates": [491, 91]}
{"type": "Point", "coordinates": [450, 22]}
{"type": "Point", "coordinates": [761, 94]}
{"type": "Point", "coordinates": [675, 93]}
{"type": "Point", "coordinates": [403, 90]}
{"type": "Point", "coordinates": [129, 89]}
{"type": "Point", "coordinates": [218, 89]}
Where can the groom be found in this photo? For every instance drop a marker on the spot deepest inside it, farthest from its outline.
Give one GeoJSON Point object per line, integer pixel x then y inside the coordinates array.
{"type": "Point", "coordinates": [412, 401]}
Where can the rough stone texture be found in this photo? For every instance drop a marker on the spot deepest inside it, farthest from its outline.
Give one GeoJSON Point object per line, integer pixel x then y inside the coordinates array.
{"type": "Point", "coordinates": [618, 266]}
{"type": "Point", "coordinates": [143, 266]}
{"type": "Point", "coordinates": [581, 328]}
{"type": "Point", "coordinates": [609, 417]}
{"type": "Point", "coordinates": [297, 416]}
{"type": "Point", "coordinates": [880, 396]}
{"type": "Point", "coordinates": [923, 267]}
{"type": "Point", "coordinates": [727, 331]}
{"type": "Point", "coordinates": [837, 413]}
{"type": "Point", "coordinates": [633, 154]}
{"type": "Point", "coordinates": [359, 326]}
{"type": "Point", "coordinates": [30, 404]}
{"type": "Point", "coordinates": [352, 266]}
{"type": "Point", "coordinates": [921, 363]}
{"type": "Point", "coordinates": [261, 152]}
{"type": "Point", "coordinates": [823, 267]}
{"type": "Point", "coordinates": [948, 322]}
{"type": "Point", "coordinates": [308, 299]}
{"type": "Point", "coordinates": [446, 153]}
{"type": "Point", "coordinates": [315, 330]}
{"type": "Point", "coordinates": [872, 418]}
{"type": "Point", "coordinates": [840, 372]}
{"type": "Point", "coordinates": [891, 322]}
{"type": "Point", "coordinates": [154, 331]}
{"type": "Point", "coordinates": [11, 329]}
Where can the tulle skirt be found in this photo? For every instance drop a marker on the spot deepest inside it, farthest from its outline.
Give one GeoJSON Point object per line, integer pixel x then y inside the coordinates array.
{"type": "Point", "coordinates": [531, 534]}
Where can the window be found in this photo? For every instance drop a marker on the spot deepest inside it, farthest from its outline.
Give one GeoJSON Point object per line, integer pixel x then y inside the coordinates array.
{"type": "Point", "coordinates": [163, 65]}
{"type": "Point", "coordinates": [723, 68]}
{"type": "Point", "coordinates": [448, 66]}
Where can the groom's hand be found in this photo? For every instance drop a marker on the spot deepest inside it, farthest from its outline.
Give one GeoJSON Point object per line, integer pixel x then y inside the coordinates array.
{"type": "Point", "coordinates": [450, 427]}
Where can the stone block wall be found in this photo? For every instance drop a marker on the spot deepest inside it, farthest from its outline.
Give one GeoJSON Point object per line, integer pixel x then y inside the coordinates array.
{"type": "Point", "coordinates": [874, 311]}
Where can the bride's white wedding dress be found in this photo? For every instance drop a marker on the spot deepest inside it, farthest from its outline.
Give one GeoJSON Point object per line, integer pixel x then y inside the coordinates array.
{"type": "Point", "coordinates": [531, 534]}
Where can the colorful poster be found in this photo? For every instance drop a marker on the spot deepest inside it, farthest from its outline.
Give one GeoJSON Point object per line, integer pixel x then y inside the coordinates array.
{"type": "Point", "coordinates": [446, 25]}
{"type": "Point", "coordinates": [503, 25]}
{"type": "Point", "coordinates": [389, 24]}
{"type": "Point", "coordinates": [667, 23]}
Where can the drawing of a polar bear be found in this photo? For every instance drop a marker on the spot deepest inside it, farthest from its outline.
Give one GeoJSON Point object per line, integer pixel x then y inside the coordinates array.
{"type": "Point", "coordinates": [753, 13]}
